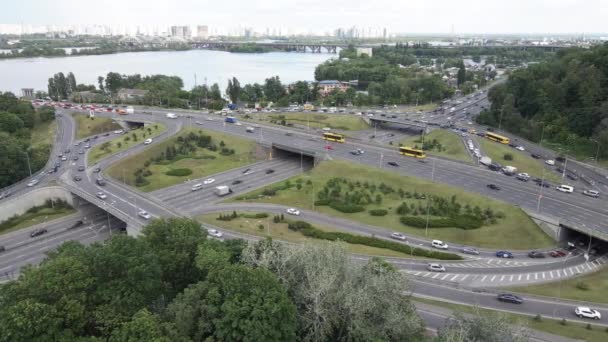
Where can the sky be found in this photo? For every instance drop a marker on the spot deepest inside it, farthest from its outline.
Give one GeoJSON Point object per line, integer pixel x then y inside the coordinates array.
{"type": "Point", "coordinates": [430, 16]}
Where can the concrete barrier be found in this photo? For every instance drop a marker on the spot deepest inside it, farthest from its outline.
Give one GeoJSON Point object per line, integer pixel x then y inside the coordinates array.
{"type": "Point", "coordinates": [18, 205]}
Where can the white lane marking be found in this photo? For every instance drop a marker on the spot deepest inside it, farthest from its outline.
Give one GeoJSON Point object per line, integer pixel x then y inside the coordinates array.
{"type": "Point", "coordinates": [559, 274]}
{"type": "Point", "coordinates": [551, 274]}
{"type": "Point", "coordinates": [519, 278]}
{"type": "Point", "coordinates": [454, 277]}
{"type": "Point", "coordinates": [435, 276]}
{"type": "Point", "coordinates": [445, 276]}
{"type": "Point", "coordinates": [543, 275]}
{"type": "Point", "coordinates": [484, 278]}
{"type": "Point", "coordinates": [535, 276]}
{"type": "Point", "coordinates": [502, 278]}
{"type": "Point", "coordinates": [465, 277]}
{"type": "Point", "coordinates": [493, 277]}
{"type": "Point", "coordinates": [511, 278]}
{"type": "Point", "coordinates": [417, 273]}
{"type": "Point", "coordinates": [426, 274]}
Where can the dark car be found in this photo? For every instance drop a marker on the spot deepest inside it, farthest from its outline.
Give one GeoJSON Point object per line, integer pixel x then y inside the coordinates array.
{"type": "Point", "coordinates": [87, 139]}
{"type": "Point", "coordinates": [100, 182]}
{"type": "Point", "coordinates": [493, 187]}
{"type": "Point", "coordinates": [38, 232]}
{"type": "Point", "coordinates": [75, 158]}
{"type": "Point", "coordinates": [391, 163]}
{"type": "Point", "coordinates": [77, 178]}
{"type": "Point", "coordinates": [535, 156]}
{"type": "Point", "coordinates": [246, 171]}
{"type": "Point", "coordinates": [238, 181]}
{"type": "Point", "coordinates": [510, 298]}
{"type": "Point", "coordinates": [557, 254]}
{"type": "Point", "coordinates": [81, 168]}
{"type": "Point", "coordinates": [470, 250]}
{"type": "Point", "coordinates": [504, 254]}
{"type": "Point", "coordinates": [536, 255]}
{"type": "Point", "coordinates": [572, 176]}
{"type": "Point", "coordinates": [544, 184]}
{"type": "Point", "coordinates": [560, 159]}
{"type": "Point", "coordinates": [2, 249]}
{"type": "Point", "coordinates": [269, 171]}
{"type": "Point", "coordinates": [97, 170]}
{"type": "Point", "coordinates": [512, 145]}
{"type": "Point", "coordinates": [76, 224]}
{"type": "Point", "coordinates": [106, 134]}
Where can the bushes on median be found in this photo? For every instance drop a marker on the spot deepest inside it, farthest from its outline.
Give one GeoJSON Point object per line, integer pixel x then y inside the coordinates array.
{"type": "Point", "coordinates": [461, 221]}
{"type": "Point", "coordinates": [308, 230]}
{"type": "Point", "coordinates": [179, 172]}
{"type": "Point", "coordinates": [378, 212]}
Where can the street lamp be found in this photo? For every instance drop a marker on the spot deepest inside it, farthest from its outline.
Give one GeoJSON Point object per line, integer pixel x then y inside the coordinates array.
{"type": "Point", "coordinates": [426, 229]}
{"type": "Point", "coordinates": [597, 152]}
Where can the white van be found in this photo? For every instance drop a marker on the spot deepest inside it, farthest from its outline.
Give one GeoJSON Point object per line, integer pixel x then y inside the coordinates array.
{"type": "Point", "coordinates": [565, 188]}
{"type": "Point", "coordinates": [171, 116]}
{"type": "Point", "coordinates": [197, 186]}
{"type": "Point", "coordinates": [439, 244]}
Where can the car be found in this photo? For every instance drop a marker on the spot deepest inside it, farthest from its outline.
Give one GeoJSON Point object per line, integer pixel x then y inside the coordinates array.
{"type": "Point", "coordinates": [510, 298]}
{"type": "Point", "coordinates": [215, 233]}
{"type": "Point", "coordinates": [77, 178]}
{"type": "Point", "coordinates": [520, 148]}
{"type": "Point", "coordinates": [512, 145]}
{"type": "Point", "coordinates": [237, 181]}
{"type": "Point", "coordinates": [81, 168]}
{"type": "Point", "coordinates": [504, 254]}
{"type": "Point", "coordinates": [535, 156]}
{"type": "Point", "coordinates": [144, 214]}
{"type": "Point", "coordinates": [247, 171]}
{"type": "Point", "coordinates": [435, 267]}
{"type": "Point", "coordinates": [469, 250]}
{"type": "Point", "coordinates": [550, 162]}
{"type": "Point", "coordinates": [557, 254]}
{"type": "Point", "coordinates": [77, 144]}
{"type": "Point", "coordinates": [560, 159]}
{"type": "Point", "coordinates": [106, 134]}
{"type": "Point", "coordinates": [147, 141]}
{"type": "Point", "coordinates": [536, 255]}
{"type": "Point", "coordinates": [329, 147]}
{"type": "Point", "coordinates": [64, 158]}
{"type": "Point", "coordinates": [591, 193]}
{"type": "Point", "coordinates": [38, 232]}
{"type": "Point", "coordinates": [33, 182]}
{"type": "Point", "coordinates": [209, 119]}
{"type": "Point", "coordinates": [293, 211]}
{"type": "Point", "coordinates": [398, 236]}
{"type": "Point", "coordinates": [524, 177]}
{"type": "Point", "coordinates": [357, 152]}
{"type": "Point", "coordinates": [544, 184]}
{"type": "Point", "coordinates": [585, 312]}
{"type": "Point", "coordinates": [208, 181]}
{"type": "Point", "coordinates": [269, 171]}
{"type": "Point", "coordinates": [97, 170]}
{"type": "Point", "coordinates": [439, 244]}
{"type": "Point", "coordinates": [101, 195]}
{"type": "Point", "coordinates": [87, 146]}
{"type": "Point", "coordinates": [76, 224]}
{"type": "Point", "coordinates": [87, 140]}
{"type": "Point", "coordinates": [493, 187]}
{"type": "Point", "coordinates": [81, 152]}
{"type": "Point", "coordinates": [100, 181]}
{"type": "Point", "coordinates": [289, 134]}
{"type": "Point", "coordinates": [118, 131]}
{"type": "Point", "coordinates": [565, 188]}
{"type": "Point", "coordinates": [392, 163]}
{"type": "Point", "coordinates": [49, 171]}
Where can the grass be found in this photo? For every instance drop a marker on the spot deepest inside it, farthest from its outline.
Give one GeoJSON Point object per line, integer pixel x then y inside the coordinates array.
{"type": "Point", "coordinates": [452, 146]}
{"type": "Point", "coordinates": [596, 283]}
{"type": "Point", "coordinates": [202, 163]}
{"type": "Point", "coordinates": [99, 152]}
{"type": "Point", "coordinates": [30, 219]}
{"type": "Point", "coordinates": [279, 231]}
{"type": "Point", "coordinates": [573, 330]}
{"type": "Point", "coordinates": [506, 233]}
{"type": "Point", "coordinates": [316, 120]}
{"type": "Point", "coordinates": [86, 126]}
{"type": "Point", "coordinates": [43, 134]}
{"type": "Point", "coordinates": [521, 160]}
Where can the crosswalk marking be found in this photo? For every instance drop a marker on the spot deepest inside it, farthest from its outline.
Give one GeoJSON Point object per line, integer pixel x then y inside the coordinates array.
{"type": "Point", "coordinates": [551, 274]}
{"type": "Point", "coordinates": [543, 275]}
{"type": "Point", "coordinates": [454, 277]}
{"type": "Point", "coordinates": [493, 277]}
{"type": "Point", "coordinates": [528, 276]}
{"type": "Point", "coordinates": [519, 278]}
{"type": "Point", "coordinates": [445, 276]}
{"type": "Point", "coordinates": [535, 276]}
{"type": "Point", "coordinates": [484, 278]}
{"type": "Point", "coordinates": [435, 276]}
{"type": "Point", "coordinates": [465, 277]}
{"type": "Point", "coordinates": [511, 278]}
{"type": "Point", "coordinates": [559, 274]}
{"type": "Point", "coordinates": [502, 278]}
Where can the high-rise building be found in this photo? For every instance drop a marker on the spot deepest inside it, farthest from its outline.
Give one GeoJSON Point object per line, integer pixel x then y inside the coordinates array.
{"type": "Point", "coordinates": [181, 31]}
{"type": "Point", "coordinates": [202, 31]}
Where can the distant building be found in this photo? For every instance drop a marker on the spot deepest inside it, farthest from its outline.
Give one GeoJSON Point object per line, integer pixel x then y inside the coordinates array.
{"type": "Point", "coordinates": [27, 93]}
{"type": "Point", "coordinates": [326, 87]}
{"type": "Point", "coordinates": [131, 94]}
{"type": "Point", "coordinates": [364, 50]}
{"type": "Point", "coordinates": [202, 31]}
{"type": "Point", "coordinates": [181, 31]}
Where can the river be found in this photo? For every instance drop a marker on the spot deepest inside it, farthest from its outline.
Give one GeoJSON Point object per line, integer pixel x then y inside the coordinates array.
{"type": "Point", "coordinates": [214, 66]}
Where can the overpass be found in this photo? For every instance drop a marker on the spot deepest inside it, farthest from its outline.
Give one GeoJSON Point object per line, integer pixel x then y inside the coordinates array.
{"type": "Point", "coordinates": [407, 123]}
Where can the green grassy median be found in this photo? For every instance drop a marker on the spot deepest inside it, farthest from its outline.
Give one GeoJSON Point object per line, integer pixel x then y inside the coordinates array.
{"type": "Point", "coordinates": [36, 215]}
{"type": "Point", "coordinates": [345, 122]}
{"type": "Point", "coordinates": [124, 142]}
{"type": "Point", "coordinates": [515, 230]}
{"type": "Point", "coordinates": [441, 143]}
{"type": "Point", "coordinates": [86, 127]}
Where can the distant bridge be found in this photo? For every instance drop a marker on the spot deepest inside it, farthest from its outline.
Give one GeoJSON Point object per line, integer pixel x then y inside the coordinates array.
{"type": "Point", "coordinates": [295, 47]}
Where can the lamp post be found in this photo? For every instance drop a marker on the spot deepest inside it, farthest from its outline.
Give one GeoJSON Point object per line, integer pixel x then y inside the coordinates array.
{"type": "Point", "coordinates": [426, 229]}
{"type": "Point", "coordinates": [597, 152]}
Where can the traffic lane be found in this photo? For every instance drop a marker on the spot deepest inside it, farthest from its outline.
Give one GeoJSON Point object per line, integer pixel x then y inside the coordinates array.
{"type": "Point", "coordinates": [547, 307]}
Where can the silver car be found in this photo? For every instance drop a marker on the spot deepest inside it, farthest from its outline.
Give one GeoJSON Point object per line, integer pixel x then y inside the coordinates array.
{"type": "Point", "coordinates": [435, 268]}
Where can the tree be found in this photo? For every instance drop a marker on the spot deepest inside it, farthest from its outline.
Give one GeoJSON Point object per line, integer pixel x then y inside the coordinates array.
{"type": "Point", "coordinates": [235, 303]}
{"type": "Point", "coordinates": [273, 89]}
{"type": "Point", "coordinates": [71, 83]}
{"type": "Point", "coordinates": [144, 326]}
{"type": "Point", "coordinates": [482, 327]}
{"type": "Point", "coordinates": [113, 82]}
{"type": "Point", "coordinates": [233, 90]}
{"type": "Point", "coordinates": [100, 84]}
{"type": "Point", "coordinates": [462, 73]}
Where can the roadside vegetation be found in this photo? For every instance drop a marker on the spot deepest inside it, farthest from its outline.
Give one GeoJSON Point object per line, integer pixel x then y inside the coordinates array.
{"type": "Point", "coordinates": [52, 209]}
{"type": "Point", "coordinates": [400, 203]}
{"type": "Point", "coordinates": [191, 154]}
{"type": "Point", "coordinates": [313, 120]}
{"type": "Point", "coordinates": [521, 160]}
{"type": "Point", "coordinates": [577, 331]}
{"type": "Point", "coordinates": [440, 142]}
{"type": "Point", "coordinates": [124, 142]}
{"type": "Point", "coordinates": [86, 127]}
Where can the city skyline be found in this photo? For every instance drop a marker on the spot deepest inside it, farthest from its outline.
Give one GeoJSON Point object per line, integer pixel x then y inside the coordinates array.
{"type": "Point", "coordinates": [320, 18]}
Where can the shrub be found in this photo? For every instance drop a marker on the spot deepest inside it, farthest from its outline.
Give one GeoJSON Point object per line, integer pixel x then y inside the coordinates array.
{"type": "Point", "coordinates": [538, 318]}
{"type": "Point", "coordinates": [581, 285]}
{"type": "Point", "coordinates": [269, 192]}
{"type": "Point", "coordinates": [507, 156]}
{"type": "Point", "coordinates": [378, 212]}
{"type": "Point", "coordinates": [460, 221]}
{"type": "Point", "coordinates": [179, 172]}
{"type": "Point", "coordinates": [563, 322]}
{"type": "Point", "coordinates": [256, 216]}
{"type": "Point", "coordinates": [346, 208]}
{"type": "Point", "coordinates": [588, 326]}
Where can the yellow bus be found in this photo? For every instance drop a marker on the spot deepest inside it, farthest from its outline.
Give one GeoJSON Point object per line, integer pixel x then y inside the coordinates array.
{"type": "Point", "coordinates": [497, 138]}
{"type": "Point", "coordinates": [333, 137]}
{"type": "Point", "coordinates": [412, 152]}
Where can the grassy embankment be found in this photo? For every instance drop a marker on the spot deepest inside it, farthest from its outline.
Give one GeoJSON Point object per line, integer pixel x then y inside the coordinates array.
{"type": "Point", "coordinates": [505, 233]}
{"type": "Point", "coordinates": [124, 142]}
{"type": "Point", "coordinates": [35, 215]}
{"type": "Point", "coordinates": [521, 160]}
{"type": "Point", "coordinates": [202, 162]}
{"type": "Point", "coordinates": [86, 127]}
{"type": "Point", "coordinates": [449, 144]}
{"type": "Point", "coordinates": [279, 231]}
{"type": "Point", "coordinates": [573, 330]}
{"type": "Point", "coordinates": [344, 122]}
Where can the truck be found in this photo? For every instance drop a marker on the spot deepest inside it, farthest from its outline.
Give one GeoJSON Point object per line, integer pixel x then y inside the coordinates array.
{"type": "Point", "coordinates": [130, 110]}
{"type": "Point", "coordinates": [485, 161]}
{"type": "Point", "coordinates": [171, 116]}
{"type": "Point", "coordinates": [309, 106]}
{"type": "Point", "coordinates": [222, 190]}
{"type": "Point", "coordinates": [230, 119]}
{"type": "Point", "coordinates": [509, 170]}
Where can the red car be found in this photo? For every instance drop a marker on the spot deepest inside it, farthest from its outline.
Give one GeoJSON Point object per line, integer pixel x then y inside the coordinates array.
{"type": "Point", "coordinates": [329, 147]}
{"type": "Point", "coordinates": [557, 254]}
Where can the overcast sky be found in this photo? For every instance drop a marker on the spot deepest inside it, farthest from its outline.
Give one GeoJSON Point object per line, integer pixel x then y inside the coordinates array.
{"type": "Point", "coordinates": [467, 16]}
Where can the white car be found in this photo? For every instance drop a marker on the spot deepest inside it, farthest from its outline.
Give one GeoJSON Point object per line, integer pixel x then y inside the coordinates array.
{"type": "Point", "coordinates": [147, 141]}
{"type": "Point", "coordinates": [144, 214]}
{"type": "Point", "coordinates": [120, 131]}
{"type": "Point", "coordinates": [238, 124]}
{"type": "Point", "coordinates": [215, 233]}
{"type": "Point", "coordinates": [435, 268]}
{"type": "Point", "coordinates": [520, 148]}
{"type": "Point", "coordinates": [591, 193]}
{"type": "Point", "coordinates": [64, 158]}
{"type": "Point", "coordinates": [293, 211]}
{"type": "Point", "coordinates": [101, 195]}
{"type": "Point", "coordinates": [209, 119]}
{"type": "Point", "coordinates": [585, 312]}
{"type": "Point", "coordinates": [439, 244]}
{"type": "Point", "coordinates": [398, 236]}
{"type": "Point", "coordinates": [208, 181]}
{"type": "Point", "coordinates": [32, 182]}
{"type": "Point", "coordinates": [550, 162]}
